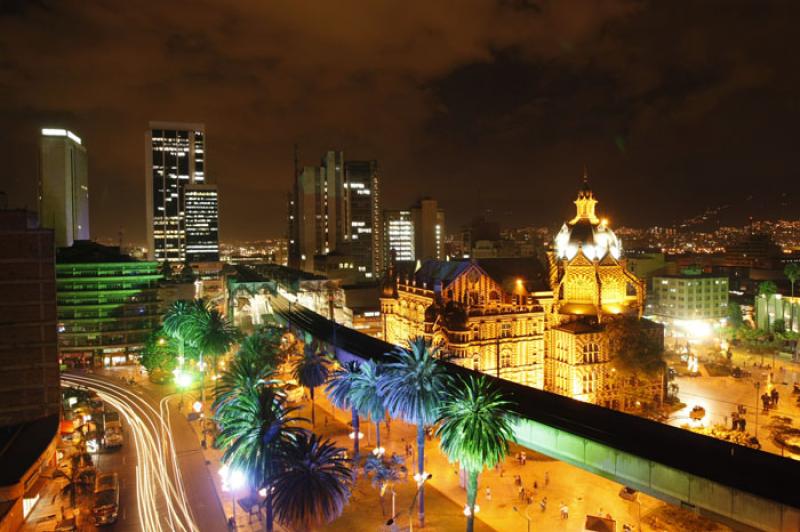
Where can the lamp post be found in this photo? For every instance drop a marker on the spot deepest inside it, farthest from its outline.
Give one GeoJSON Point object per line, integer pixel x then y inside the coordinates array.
{"type": "Point", "coordinates": [232, 480]}
{"type": "Point", "coordinates": [757, 385]}
{"type": "Point", "coordinates": [525, 515]}
{"type": "Point", "coordinates": [421, 480]}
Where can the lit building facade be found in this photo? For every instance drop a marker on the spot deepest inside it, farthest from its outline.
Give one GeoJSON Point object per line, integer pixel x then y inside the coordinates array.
{"type": "Point", "coordinates": [691, 305]}
{"type": "Point", "coordinates": [364, 216]}
{"type": "Point", "coordinates": [398, 236]}
{"type": "Point", "coordinates": [202, 223]}
{"type": "Point", "coordinates": [107, 304]}
{"type": "Point", "coordinates": [544, 326]}
{"type": "Point", "coordinates": [63, 186]}
{"type": "Point", "coordinates": [490, 314]}
{"type": "Point", "coordinates": [429, 230]}
{"type": "Point", "coordinates": [175, 157]}
{"type": "Point", "coordinates": [317, 217]}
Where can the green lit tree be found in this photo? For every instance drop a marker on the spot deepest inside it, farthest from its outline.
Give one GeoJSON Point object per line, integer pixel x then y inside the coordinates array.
{"type": "Point", "coordinates": [367, 396]}
{"type": "Point", "coordinates": [314, 483]}
{"type": "Point", "coordinates": [312, 370]}
{"type": "Point", "coordinates": [158, 353]}
{"type": "Point", "coordinates": [211, 334]}
{"type": "Point", "coordinates": [340, 393]}
{"type": "Point", "coordinates": [734, 315]}
{"type": "Point", "coordinates": [413, 385]}
{"type": "Point", "coordinates": [178, 321]}
{"type": "Point", "coordinates": [767, 289]}
{"type": "Point", "coordinates": [474, 430]}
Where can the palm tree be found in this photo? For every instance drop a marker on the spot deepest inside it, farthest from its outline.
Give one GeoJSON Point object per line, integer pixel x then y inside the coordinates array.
{"type": "Point", "coordinates": [211, 333]}
{"type": "Point", "coordinates": [383, 473]}
{"type": "Point", "coordinates": [413, 385]}
{"type": "Point", "coordinates": [247, 371]}
{"type": "Point", "coordinates": [475, 430]}
{"type": "Point", "coordinates": [311, 370]}
{"type": "Point", "coordinates": [177, 321]}
{"type": "Point", "coordinates": [367, 397]}
{"type": "Point", "coordinates": [257, 428]}
{"type": "Point", "coordinates": [792, 272]}
{"type": "Point", "coordinates": [264, 344]}
{"type": "Point", "coordinates": [314, 484]}
{"type": "Point", "coordinates": [340, 391]}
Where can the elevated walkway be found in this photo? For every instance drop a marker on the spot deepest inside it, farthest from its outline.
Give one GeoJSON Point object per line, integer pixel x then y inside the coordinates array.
{"type": "Point", "coordinates": [746, 488]}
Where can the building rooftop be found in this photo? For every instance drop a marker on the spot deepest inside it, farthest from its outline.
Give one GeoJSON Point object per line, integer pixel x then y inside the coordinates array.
{"type": "Point", "coordinates": [86, 251]}
{"type": "Point", "coordinates": [21, 445]}
{"type": "Point", "coordinates": [579, 327]}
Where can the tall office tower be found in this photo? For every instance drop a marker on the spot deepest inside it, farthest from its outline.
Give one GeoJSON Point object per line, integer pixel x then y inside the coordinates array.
{"type": "Point", "coordinates": [63, 186]}
{"type": "Point", "coordinates": [202, 223]}
{"type": "Point", "coordinates": [30, 396]}
{"type": "Point", "coordinates": [398, 235]}
{"type": "Point", "coordinates": [364, 216]}
{"type": "Point", "coordinates": [319, 223]}
{"type": "Point", "coordinates": [175, 157]}
{"type": "Point", "coordinates": [429, 233]}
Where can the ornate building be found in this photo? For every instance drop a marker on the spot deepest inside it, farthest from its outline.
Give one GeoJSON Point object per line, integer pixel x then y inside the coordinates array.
{"type": "Point", "coordinates": [544, 326]}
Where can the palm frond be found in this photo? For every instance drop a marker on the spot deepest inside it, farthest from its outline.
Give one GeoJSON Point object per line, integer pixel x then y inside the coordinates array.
{"type": "Point", "coordinates": [340, 386]}
{"type": "Point", "coordinates": [474, 427]}
{"type": "Point", "coordinates": [314, 484]}
{"type": "Point", "coordinates": [414, 384]}
{"type": "Point", "coordinates": [365, 392]}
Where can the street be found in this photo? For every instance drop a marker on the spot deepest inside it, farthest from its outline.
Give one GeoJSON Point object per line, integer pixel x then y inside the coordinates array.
{"type": "Point", "coordinates": [160, 458]}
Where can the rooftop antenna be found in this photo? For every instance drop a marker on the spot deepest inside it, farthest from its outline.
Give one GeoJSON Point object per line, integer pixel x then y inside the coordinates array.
{"type": "Point", "coordinates": [585, 175]}
{"type": "Point", "coordinates": [119, 235]}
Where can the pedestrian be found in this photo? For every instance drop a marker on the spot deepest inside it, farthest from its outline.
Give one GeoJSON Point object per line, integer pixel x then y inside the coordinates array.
{"type": "Point", "coordinates": [546, 478]}
{"type": "Point", "coordinates": [521, 493]}
{"type": "Point", "coordinates": [488, 493]}
{"type": "Point", "coordinates": [535, 486]}
{"type": "Point", "coordinates": [524, 457]}
{"type": "Point", "coordinates": [564, 511]}
{"type": "Point", "coordinates": [517, 480]}
{"type": "Point", "coordinates": [543, 504]}
{"type": "Point", "coordinates": [774, 397]}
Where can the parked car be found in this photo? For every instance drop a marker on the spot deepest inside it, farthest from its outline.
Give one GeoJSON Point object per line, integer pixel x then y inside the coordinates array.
{"type": "Point", "coordinates": [629, 494]}
{"type": "Point", "coordinates": [112, 437]}
{"type": "Point", "coordinates": [106, 499]}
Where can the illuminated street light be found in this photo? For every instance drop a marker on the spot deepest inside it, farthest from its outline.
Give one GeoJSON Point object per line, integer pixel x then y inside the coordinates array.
{"type": "Point", "coordinates": [378, 451]}
{"type": "Point", "coordinates": [467, 512]}
{"type": "Point", "coordinates": [197, 406]}
{"type": "Point", "coordinates": [352, 435]}
{"type": "Point", "coordinates": [232, 480]}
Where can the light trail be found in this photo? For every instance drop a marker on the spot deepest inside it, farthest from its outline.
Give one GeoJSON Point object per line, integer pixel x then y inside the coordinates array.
{"type": "Point", "coordinates": [161, 497]}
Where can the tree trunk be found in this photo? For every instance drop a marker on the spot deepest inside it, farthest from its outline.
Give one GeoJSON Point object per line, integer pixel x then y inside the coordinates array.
{"type": "Point", "coordinates": [377, 434]}
{"type": "Point", "coordinates": [356, 424]}
{"type": "Point", "coordinates": [313, 418]}
{"type": "Point", "coordinates": [421, 467]}
{"type": "Point", "coordinates": [472, 492]}
{"type": "Point", "coordinates": [268, 510]}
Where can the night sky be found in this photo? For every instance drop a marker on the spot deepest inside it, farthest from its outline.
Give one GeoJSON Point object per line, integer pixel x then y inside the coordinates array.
{"type": "Point", "coordinates": [487, 106]}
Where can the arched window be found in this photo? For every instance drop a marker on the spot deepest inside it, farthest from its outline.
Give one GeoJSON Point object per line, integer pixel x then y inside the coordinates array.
{"type": "Point", "coordinates": [476, 362]}
{"type": "Point", "coordinates": [493, 296]}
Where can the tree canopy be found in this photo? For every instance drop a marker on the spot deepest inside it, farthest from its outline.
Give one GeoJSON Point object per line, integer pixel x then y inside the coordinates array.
{"type": "Point", "coordinates": [634, 346]}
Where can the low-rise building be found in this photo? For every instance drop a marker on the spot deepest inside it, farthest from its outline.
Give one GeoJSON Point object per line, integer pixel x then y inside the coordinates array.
{"type": "Point", "coordinates": [108, 303]}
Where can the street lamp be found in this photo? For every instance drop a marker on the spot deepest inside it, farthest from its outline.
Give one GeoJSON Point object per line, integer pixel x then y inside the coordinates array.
{"type": "Point", "coordinates": [757, 385]}
{"type": "Point", "coordinates": [232, 480]}
{"type": "Point", "coordinates": [525, 515]}
{"type": "Point", "coordinates": [421, 479]}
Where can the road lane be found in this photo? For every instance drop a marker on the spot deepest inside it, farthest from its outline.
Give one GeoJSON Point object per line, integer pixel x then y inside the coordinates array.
{"type": "Point", "coordinates": [161, 501]}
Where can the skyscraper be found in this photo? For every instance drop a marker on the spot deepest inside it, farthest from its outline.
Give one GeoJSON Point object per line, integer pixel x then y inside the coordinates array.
{"type": "Point", "coordinates": [429, 233]}
{"type": "Point", "coordinates": [63, 186]}
{"type": "Point", "coordinates": [398, 235]}
{"type": "Point", "coordinates": [175, 157]}
{"type": "Point", "coordinates": [202, 223]}
{"type": "Point", "coordinates": [317, 218]}
{"type": "Point", "coordinates": [364, 216]}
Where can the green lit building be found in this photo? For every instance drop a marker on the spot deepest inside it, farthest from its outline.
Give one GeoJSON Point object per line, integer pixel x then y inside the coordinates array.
{"type": "Point", "coordinates": [776, 307]}
{"type": "Point", "coordinates": [107, 304]}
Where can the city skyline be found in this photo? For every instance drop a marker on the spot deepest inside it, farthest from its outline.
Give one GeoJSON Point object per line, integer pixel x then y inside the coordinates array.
{"type": "Point", "coordinates": [517, 97]}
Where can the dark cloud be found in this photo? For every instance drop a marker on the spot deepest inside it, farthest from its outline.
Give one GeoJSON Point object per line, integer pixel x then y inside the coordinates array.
{"type": "Point", "coordinates": [507, 98]}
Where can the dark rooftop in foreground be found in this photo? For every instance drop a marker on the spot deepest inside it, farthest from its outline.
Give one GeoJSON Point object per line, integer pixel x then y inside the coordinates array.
{"type": "Point", "coordinates": [86, 251]}
{"type": "Point", "coordinates": [21, 445]}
